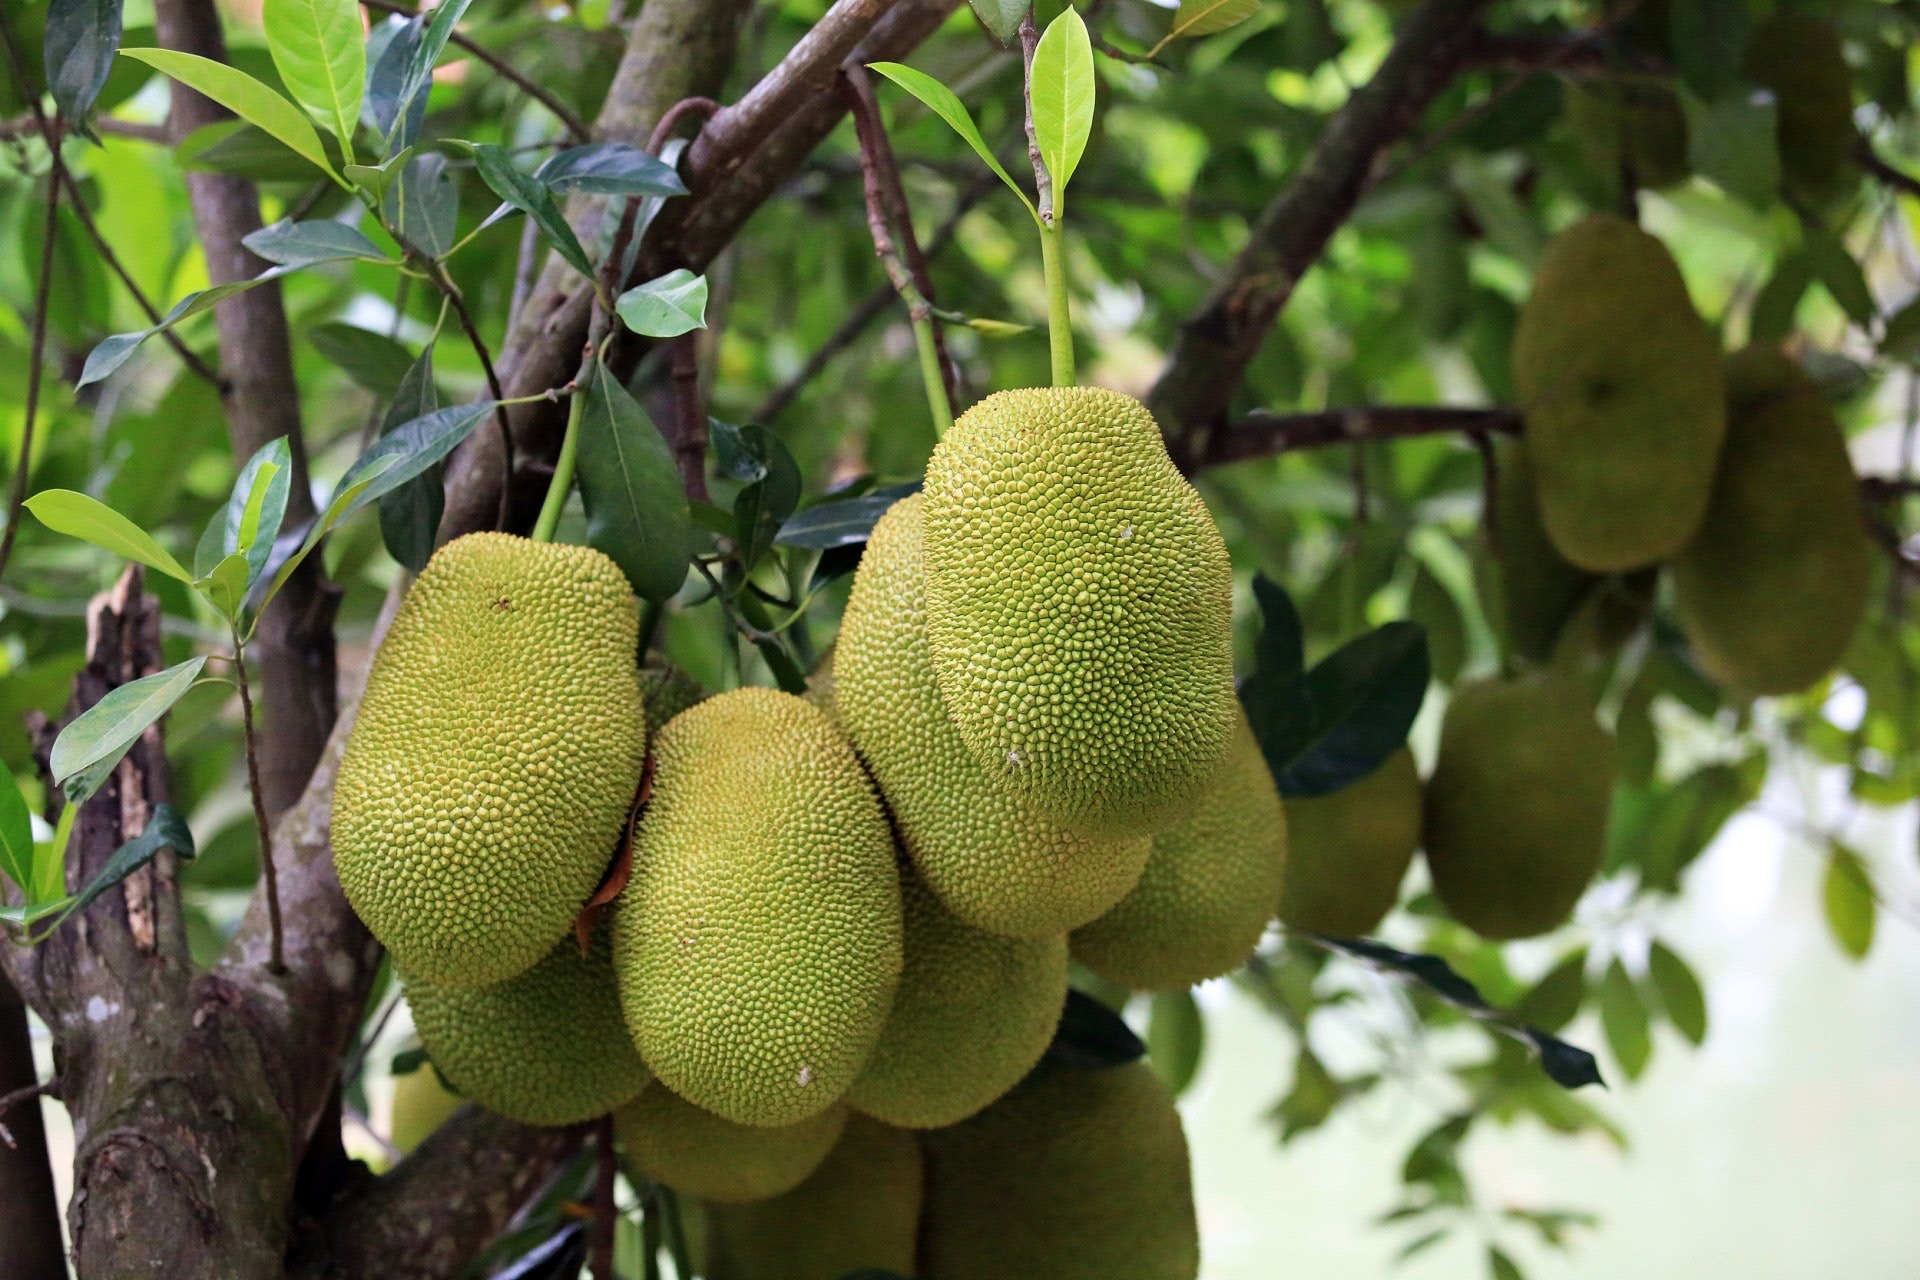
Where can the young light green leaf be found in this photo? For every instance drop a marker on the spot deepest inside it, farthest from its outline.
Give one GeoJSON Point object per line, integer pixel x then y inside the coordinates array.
{"type": "Point", "coordinates": [530, 196]}
{"type": "Point", "coordinates": [246, 97]}
{"type": "Point", "coordinates": [666, 307]}
{"type": "Point", "coordinates": [1204, 17]}
{"type": "Point", "coordinates": [78, 516]}
{"type": "Point", "coordinates": [636, 508]}
{"type": "Point", "coordinates": [259, 495]}
{"type": "Point", "coordinates": [105, 731]}
{"type": "Point", "coordinates": [374, 179]}
{"type": "Point", "coordinates": [50, 858]}
{"type": "Point", "coordinates": [318, 49]}
{"type": "Point", "coordinates": [301, 244]}
{"type": "Point", "coordinates": [1849, 900]}
{"type": "Point", "coordinates": [226, 587]}
{"type": "Point", "coordinates": [16, 832]}
{"type": "Point", "coordinates": [1062, 89]}
{"type": "Point", "coordinates": [941, 100]}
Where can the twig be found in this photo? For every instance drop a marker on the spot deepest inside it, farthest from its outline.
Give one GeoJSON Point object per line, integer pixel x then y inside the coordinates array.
{"type": "Point", "coordinates": [276, 957]}
{"type": "Point", "coordinates": [575, 126]}
{"type": "Point", "coordinates": [1870, 160]}
{"type": "Point", "coordinates": [27, 126]}
{"type": "Point", "coordinates": [676, 115]}
{"type": "Point", "coordinates": [451, 292]}
{"type": "Point", "coordinates": [1262, 434]}
{"type": "Point", "coordinates": [1042, 180]}
{"type": "Point", "coordinates": [17, 496]}
{"type": "Point", "coordinates": [605, 1215]}
{"type": "Point", "coordinates": [690, 416]}
{"type": "Point", "coordinates": [49, 1088]}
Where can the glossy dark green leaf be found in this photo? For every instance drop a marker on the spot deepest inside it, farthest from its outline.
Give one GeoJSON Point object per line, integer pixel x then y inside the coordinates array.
{"type": "Point", "coordinates": [1338, 722]}
{"type": "Point", "coordinates": [113, 352]}
{"type": "Point", "coordinates": [165, 829]}
{"type": "Point", "coordinates": [388, 80]}
{"type": "Point", "coordinates": [1731, 141]}
{"type": "Point", "coordinates": [1848, 895]}
{"type": "Point", "coordinates": [107, 730]}
{"type": "Point", "coordinates": [666, 307]}
{"type": "Point", "coordinates": [1002, 17]}
{"type": "Point", "coordinates": [843, 523]}
{"type": "Point", "coordinates": [82, 37]}
{"type": "Point", "coordinates": [1680, 994]}
{"type": "Point", "coordinates": [373, 360]}
{"type": "Point", "coordinates": [1091, 1036]}
{"type": "Point", "coordinates": [1624, 1018]}
{"type": "Point", "coordinates": [610, 169]}
{"type": "Point", "coordinates": [423, 205]}
{"type": "Point", "coordinates": [530, 196]}
{"type": "Point", "coordinates": [756, 456]}
{"type": "Point", "coordinates": [301, 244]}
{"type": "Point", "coordinates": [410, 515]}
{"type": "Point", "coordinates": [407, 451]}
{"type": "Point", "coordinates": [238, 148]}
{"type": "Point", "coordinates": [433, 42]}
{"type": "Point", "coordinates": [1567, 1065]}
{"type": "Point", "coordinates": [1176, 1038]}
{"type": "Point", "coordinates": [636, 508]}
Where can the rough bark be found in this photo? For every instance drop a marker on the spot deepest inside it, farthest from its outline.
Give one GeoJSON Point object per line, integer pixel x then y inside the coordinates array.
{"type": "Point", "coordinates": [30, 1244]}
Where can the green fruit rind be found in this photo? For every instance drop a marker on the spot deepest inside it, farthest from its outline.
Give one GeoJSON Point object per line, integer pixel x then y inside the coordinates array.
{"type": "Point", "coordinates": [1348, 852]}
{"type": "Point", "coordinates": [664, 1137]}
{"type": "Point", "coordinates": [494, 757]}
{"type": "Point", "coordinates": [1209, 889]}
{"type": "Point", "coordinates": [995, 862]}
{"type": "Point", "coordinates": [1772, 588]}
{"type": "Point", "coordinates": [1620, 383]}
{"type": "Point", "coordinates": [1539, 590]}
{"type": "Point", "coordinates": [1079, 607]}
{"type": "Point", "coordinates": [1516, 809]}
{"type": "Point", "coordinates": [758, 941]}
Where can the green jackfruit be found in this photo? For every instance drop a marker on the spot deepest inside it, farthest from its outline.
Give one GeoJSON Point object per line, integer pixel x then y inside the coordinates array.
{"type": "Point", "coordinates": [860, 1210]}
{"type": "Point", "coordinates": [1209, 889]}
{"type": "Point", "coordinates": [668, 1139]}
{"type": "Point", "coordinates": [1772, 588]}
{"type": "Point", "coordinates": [1075, 1175]}
{"type": "Point", "coordinates": [1348, 851]}
{"type": "Point", "coordinates": [994, 861]}
{"type": "Point", "coordinates": [973, 1014]}
{"type": "Point", "coordinates": [1539, 590]}
{"type": "Point", "coordinates": [1516, 813]}
{"type": "Point", "coordinates": [758, 941]}
{"type": "Point", "coordinates": [1079, 606]}
{"type": "Point", "coordinates": [494, 758]}
{"type": "Point", "coordinates": [421, 1104]}
{"type": "Point", "coordinates": [1620, 383]}
{"type": "Point", "coordinates": [1621, 124]}
{"type": "Point", "coordinates": [546, 1047]}
{"type": "Point", "coordinates": [1799, 58]}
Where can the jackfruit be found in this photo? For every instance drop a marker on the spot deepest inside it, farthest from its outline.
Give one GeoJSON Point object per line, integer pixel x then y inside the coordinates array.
{"type": "Point", "coordinates": [1772, 588]}
{"type": "Point", "coordinates": [1075, 1175]}
{"type": "Point", "coordinates": [489, 773]}
{"type": "Point", "coordinates": [546, 1047]}
{"type": "Point", "coordinates": [1348, 851]}
{"type": "Point", "coordinates": [974, 1012]}
{"type": "Point", "coordinates": [995, 862]}
{"type": "Point", "coordinates": [1620, 383]}
{"type": "Point", "coordinates": [860, 1210]}
{"type": "Point", "coordinates": [668, 1139]}
{"type": "Point", "coordinates": [758, 941]}
{"type": "Point", "coordinates": [1516, 812]}
{"type": "Point", "coordinates": [1209, 888]}
{"type": "Point", "coordinates": [1622, 125]}
{"type": "Point", "coordinates": [1079, 607]}
{"type": "Point", "coordinates": [1539, 590]}
{"type": "Point", "coordinates": [421, 1104]}
{"type": "Point", "coordinates": [1799, 58]}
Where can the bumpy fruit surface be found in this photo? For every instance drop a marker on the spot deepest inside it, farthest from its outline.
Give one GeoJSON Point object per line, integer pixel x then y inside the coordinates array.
{"type": "Point", "coordinates": [668, 1139]}
{"type": "Point", "coordinates": [1348, 851]}
{"type": "Point", "coordinates": [1078, 603]}
{"type": "Point", "coordinates": [1209, 888]}
{"type": "Point", "coordinates": [1773, 586]}
{"type": "Point", "coordinates": [1075, 1175]}
{"type": "Point", "coordinates": [860, 1210]}
{"type": "Point", "coordinates": [1799, 58]}
{"type": "Point", "coordinates": [1539, 590]}
{"type": "Point", "coordinates": [758, 941]}
{"type": "Point", "coordinates": [1620, 383]}
{"type": "Point", "coordinates": [991, 857]}
{"type": "Point", "coordinates": [545, 1047]}
{"type": "Point", "coordinates": [420, 1105]}
{"type": "Point", "coordinates": [494, 757]}
{"type": "Point", "coordinates": [1516, 813]}
{"type": "Point", "coordinates": [973, 1013]}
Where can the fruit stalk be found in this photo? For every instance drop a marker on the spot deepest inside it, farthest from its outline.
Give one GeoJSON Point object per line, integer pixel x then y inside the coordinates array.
{"type": "Point", "coordinates": [1059, 317]}
{"type": "Point", "coordinates": [562, 482]}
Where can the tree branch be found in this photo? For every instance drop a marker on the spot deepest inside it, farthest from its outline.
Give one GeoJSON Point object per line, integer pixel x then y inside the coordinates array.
{"type": "Point", "coordinates": [575, 126]}
{"type": "Point", "coordinates": [27, 126]}
{"type": "Point", "coordinates": [1260, 435]}
{"type": "Point", "coordinates": [1214, 347]}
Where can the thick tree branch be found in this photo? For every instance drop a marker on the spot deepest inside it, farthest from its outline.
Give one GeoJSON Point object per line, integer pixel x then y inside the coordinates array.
{"type": "Point", "coordinates": [1214, 347]}
{"type": "Point", "coordinates": [1261, 435]}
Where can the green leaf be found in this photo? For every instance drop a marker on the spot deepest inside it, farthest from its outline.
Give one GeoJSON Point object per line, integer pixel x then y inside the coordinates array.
{"type": "Point", "coordinates": [236, 147]}
{"type": "Point", "coordinates": [1500, 1266]}
{"type": "Point", "coordinates": [1337, 723]}
{"type": "Point", "coordinates": [1900, 340]}
{"type": "Point", "coordinates": [1708, 39]}
{"type": "Point", "coordinates": [16, 832]}
{"type": "Point", "coordinates": [1204, 17]}
{"type": "Point", "coordinates": [165, 829]}
{"type": "Point", "coordinates": [375, 179]}
{"type": "Point", "coordinates": [1090, 1036]}
{"type": "Point", "coordinates": [78, 516]}
{"type": "Point", "coordinates": [1002, 17]}
{"type": "Point", "coordinates": [1624, 1018]}
{"type": "Point", "coordinates": [636, 508]}
{"type": "Point", "coordinates": [319, 50]}
{"type": "Point", "coordinates": [1849, 898]}
{"type": "Point", "coordinates": [666, 307]}
{"type": "Point", "coordinates": [846, 522]}
{"type": "Point", "coordinates": [246, 97]}
{"type": "Point", "coordinates": [1837, 270]}
{"type": "Point", "coordinates": [302, 244]}
{"type": "Point", "coordinates": [373, 360]}
{"type": "Point", "coordinates": [531, 196]}
{"type": "Point", "coordinates": [407, 451]}
{"type": "Point", "coordinates": [226, 586]}
{"type": "Point", "coordinates": [1555, 999]}
{"type": "Point", "coordinates": [105, 731]}
{"type": "Point", "coordinates": [398, 122]}
{"type": "Point", "coordinates": [410, 515]}
{"type": "Point", "coordinates": [941, 100]}
{"type": "Point", "coordinates": [1778, 302]}
{"type": "Point", "coordinates": [1062, 89]}
{"type": "Point", "coordinates": [758, 459]}
{"type": "Point", "coordinates": [259, 496]}
{"type": "Point", "coordinates": [50, 859]}
{"type": "Point", "coordinates": [343, 503]}
{"type": "Point", "coordinates": [81, 38]}
{"type": "Point", "coordinates": [112, 352]}
{"type": "Point", "coordinates": [1732, 141]}
{"type": "Point", "coordinates": [422, 206]}
{"type": "Point", "coordinates": [1680, 993]}
{"type": "Point", "coordinates": [1176, 1038]}
{"type": "Point", "coordinates": [610, 169]}
{"type": "Point", "coordinates": [433, 41]}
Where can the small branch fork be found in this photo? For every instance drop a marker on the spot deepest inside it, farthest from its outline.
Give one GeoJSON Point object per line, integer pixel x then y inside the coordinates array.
{"type": "Point", "coordinates": [575, 126]}
{"type": "Point", "coordinates": [689, 437]}
{"type": "Point", "coordinates": [45, 1089]}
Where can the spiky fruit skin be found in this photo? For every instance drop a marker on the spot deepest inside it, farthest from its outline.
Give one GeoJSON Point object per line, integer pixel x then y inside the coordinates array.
{"type": "Point", "coordinates": [494, 757]}
{"type": "Point", "coordinates": [1772, 588]}
{"type": "Point", "coordinates": [668, 1139]}
{"type": "Point", "coordinates": [546, 1047]}
{"type": "Point", "coordinates": [758, 941]}
{"type": "Point", "coordinates": [860, 1210]}
{"type": "Point", "coordinates": [1075, 1175]}
{"type": "Point", "coordinates": [1348, 851]}
{"type": "Point", "coordinates": [1800, 59]}
{"type": "Point", "coordinates": [1620, 383]}
{"type": "Point", "coordinates": [1642, 125]}
{"type": "Point", "coordinates": [994, 861]}
{"type": "Point", "coordinates": [974, 1012]}
{"type": "Point", "coordinates": [1516, 809]}
{"type": "Point", "coordinates": [1209, 889]}
{"type": "Point", "coordinates": [421, 1104]}
{"type": "Point", "coordinates": [1079, 608]}
{"type": "Point", "coordinates": [1539, 590]}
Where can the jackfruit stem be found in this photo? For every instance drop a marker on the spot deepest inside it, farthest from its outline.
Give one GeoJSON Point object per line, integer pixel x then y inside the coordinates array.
{"type": "Point", "coordinates": [562, 482]}
{"type": "Point", "coordinates": [930, 374]}
{"type": "Point", "coordinates": [1059, 317]}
